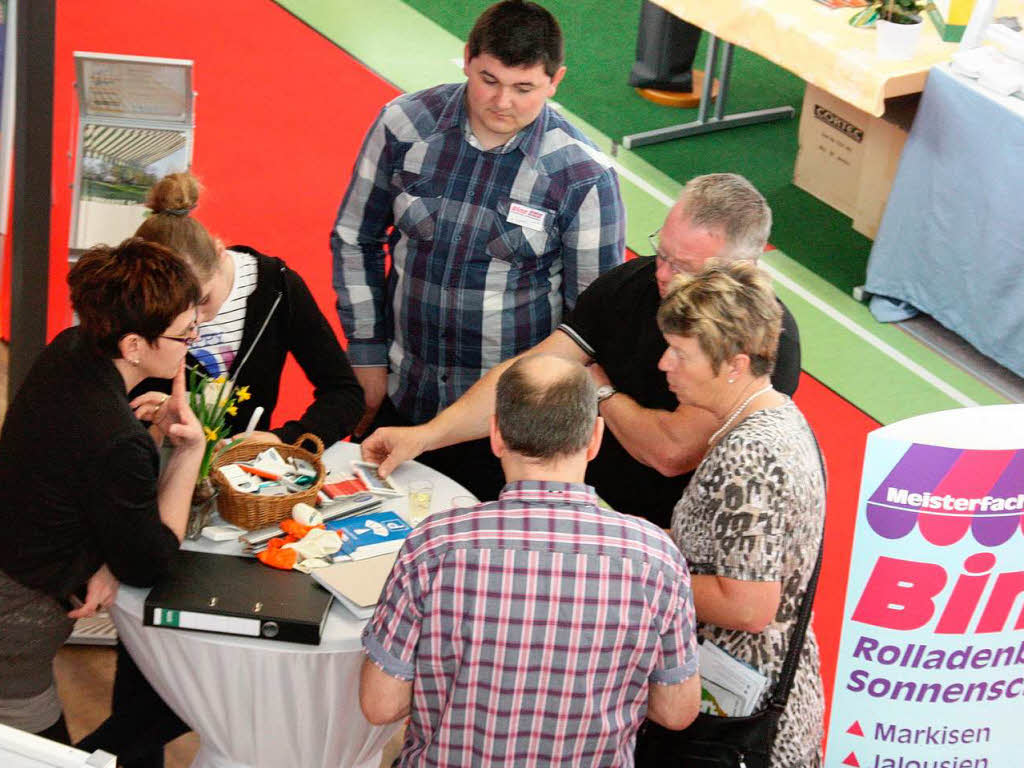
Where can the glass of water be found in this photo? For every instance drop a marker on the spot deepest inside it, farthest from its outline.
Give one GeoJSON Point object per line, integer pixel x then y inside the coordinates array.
{"type": "Point", "coordinates": [421, 492]}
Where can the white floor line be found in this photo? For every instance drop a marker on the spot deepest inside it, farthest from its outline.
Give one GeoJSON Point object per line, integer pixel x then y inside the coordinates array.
{"type": "Point", "coordinates": [645, 185]}
{"type": "Point", "coordinates": [823, 306]}
{"type": "Point", "coordinates": [898, 357]}
{"type": "Point", "coordinates": [883, 347]}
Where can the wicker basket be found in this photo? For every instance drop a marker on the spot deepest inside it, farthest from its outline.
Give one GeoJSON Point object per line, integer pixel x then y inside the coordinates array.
{"type": "Point", "coordinates": [250, 510]}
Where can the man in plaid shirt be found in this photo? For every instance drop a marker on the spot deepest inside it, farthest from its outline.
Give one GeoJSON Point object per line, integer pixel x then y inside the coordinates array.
{"type": "Point", "coordinates": [539, 629]}
{"type": "Point", "coordinates": [497, 213]}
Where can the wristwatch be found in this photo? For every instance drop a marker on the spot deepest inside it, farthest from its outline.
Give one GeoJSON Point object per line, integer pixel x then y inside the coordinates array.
{"type": "Point", "coordinates": [604, 392]}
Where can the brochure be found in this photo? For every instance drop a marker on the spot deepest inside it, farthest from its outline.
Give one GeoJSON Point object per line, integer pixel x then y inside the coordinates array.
{"type": "Point", "coordinates": [364, 536]}
{"type": "Point", "coordinates": [729, 687]}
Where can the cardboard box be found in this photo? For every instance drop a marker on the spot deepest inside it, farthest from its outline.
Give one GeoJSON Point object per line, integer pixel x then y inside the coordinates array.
{"type": "Point", "coordinates": [848, 158]}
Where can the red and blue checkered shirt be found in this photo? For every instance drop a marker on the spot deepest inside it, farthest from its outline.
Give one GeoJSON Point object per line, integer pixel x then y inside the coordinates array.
{"type": "Point", "coordinates": [470, 284]}
{"type": "Point", "coordinates": [532, 628]}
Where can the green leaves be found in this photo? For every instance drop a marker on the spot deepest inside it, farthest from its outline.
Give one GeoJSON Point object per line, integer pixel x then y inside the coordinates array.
{"type": "Point", "coordinates": [900, 11]}
{"type": "Point", "coordinates": [212, 401]}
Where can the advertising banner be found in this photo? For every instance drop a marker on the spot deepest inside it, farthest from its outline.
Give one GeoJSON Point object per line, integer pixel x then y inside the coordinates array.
{"type": "Point", "coordinates": [931, 662]}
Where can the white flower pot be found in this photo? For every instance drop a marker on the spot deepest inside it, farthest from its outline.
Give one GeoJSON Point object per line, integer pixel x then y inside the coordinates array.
{"type": "Point", "coordinates": [897, 41]}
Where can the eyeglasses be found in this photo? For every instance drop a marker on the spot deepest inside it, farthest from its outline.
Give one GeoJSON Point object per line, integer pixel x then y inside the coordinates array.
{"type": "Point", "coordinates": [655, 240]}
{"type": "Point", "coordinates": [188, 341]}
{"type": "Point", "coordinates": [191, 335]}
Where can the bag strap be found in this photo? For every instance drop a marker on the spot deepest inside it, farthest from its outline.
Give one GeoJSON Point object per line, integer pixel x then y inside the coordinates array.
{"type": "Point", "coordinates": [796, 642]}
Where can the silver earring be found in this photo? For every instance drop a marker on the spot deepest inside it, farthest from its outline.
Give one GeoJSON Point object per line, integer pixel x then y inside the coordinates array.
{"type": "Point", "coordinates": [731, 381]}
{"type": "Point", "coordinates": [135, 361]}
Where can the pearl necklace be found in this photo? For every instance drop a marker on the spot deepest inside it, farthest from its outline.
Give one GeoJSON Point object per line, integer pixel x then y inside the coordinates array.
{"type": "Point", "coordinates": [715, 435]}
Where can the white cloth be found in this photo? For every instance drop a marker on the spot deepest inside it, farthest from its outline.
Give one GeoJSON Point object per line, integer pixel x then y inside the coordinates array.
{"type": "Point", "coordinates": [260, 703]}
{"type": "Point", "coordinates": [264, 703]}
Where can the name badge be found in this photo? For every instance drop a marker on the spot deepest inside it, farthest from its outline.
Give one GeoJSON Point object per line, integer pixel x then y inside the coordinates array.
{"type": "Point", "coordinates": [525, 216]}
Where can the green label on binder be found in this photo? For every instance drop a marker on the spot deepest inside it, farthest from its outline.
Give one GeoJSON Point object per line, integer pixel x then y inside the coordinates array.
{"type": "Point", "coordinates": [166, 618]}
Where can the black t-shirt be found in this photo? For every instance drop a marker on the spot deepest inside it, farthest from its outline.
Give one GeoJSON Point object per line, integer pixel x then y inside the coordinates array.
{"type": "Point", "coordinates": [615, 322]}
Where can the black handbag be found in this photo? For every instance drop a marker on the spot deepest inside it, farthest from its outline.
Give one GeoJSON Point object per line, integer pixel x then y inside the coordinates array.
{"type": "Point", "coordinates": [731, 742]}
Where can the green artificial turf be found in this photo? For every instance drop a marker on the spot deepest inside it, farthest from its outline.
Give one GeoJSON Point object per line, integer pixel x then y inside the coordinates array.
{"type": "Point", "coordinates": [600, 41]}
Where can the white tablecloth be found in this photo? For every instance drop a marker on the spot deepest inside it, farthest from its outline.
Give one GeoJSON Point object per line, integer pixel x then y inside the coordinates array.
{"type": "Point", "coordinates": [264, 703]}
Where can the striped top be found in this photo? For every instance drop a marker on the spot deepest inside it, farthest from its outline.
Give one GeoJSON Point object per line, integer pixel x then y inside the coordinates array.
{"type": "Point", "coordinates": [489, 247]}
{"type": "Point", "coordinates": [532, 627]}
{"type": "Point", "coordinates": [220, 339]}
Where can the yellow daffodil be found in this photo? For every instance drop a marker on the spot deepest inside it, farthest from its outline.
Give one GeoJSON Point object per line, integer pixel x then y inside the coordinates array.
{"type": "Point", "coordinates": [216, 392]}
{"type": "Point", "coordinates": [243, 393]}
{"type": "Point", "coordinates": [211, 434]}
{"type": "Point", "coordinates": [232, 410]}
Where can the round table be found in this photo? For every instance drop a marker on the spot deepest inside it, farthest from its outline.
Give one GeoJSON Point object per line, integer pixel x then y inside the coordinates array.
{"type": "Point", "coordinates": [264, 703]}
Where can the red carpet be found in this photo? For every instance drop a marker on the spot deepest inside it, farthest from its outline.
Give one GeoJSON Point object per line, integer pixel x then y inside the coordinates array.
{"type": "Point", "coordinates": [280, 115]}
{"type": "Point", "coordinates": [842, 431]}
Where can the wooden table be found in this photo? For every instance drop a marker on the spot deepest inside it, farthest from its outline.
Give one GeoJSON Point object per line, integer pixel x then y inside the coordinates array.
{"type": "Point", "coordinates": [811, 41]}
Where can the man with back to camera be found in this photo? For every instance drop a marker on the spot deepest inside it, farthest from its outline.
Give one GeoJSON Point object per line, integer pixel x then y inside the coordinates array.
{"type": "Point", "coordinates": [538, 629]}
{"type": "Point", "coordinates": [502, 213]}
{"type": "Point", "coordinates": [613, 328]}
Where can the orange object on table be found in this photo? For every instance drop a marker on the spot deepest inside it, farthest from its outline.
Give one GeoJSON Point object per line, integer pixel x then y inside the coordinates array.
{"type": "Point", "coordinates": [275, 555]}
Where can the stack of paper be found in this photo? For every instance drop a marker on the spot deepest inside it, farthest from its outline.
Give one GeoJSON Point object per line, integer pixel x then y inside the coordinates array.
{"type": "Point", "coordinates": [256, 540]}
{"type": "Point", "coordinates": [730, 688]}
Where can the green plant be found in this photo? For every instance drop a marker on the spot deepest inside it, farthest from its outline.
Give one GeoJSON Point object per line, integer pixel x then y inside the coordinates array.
{"type": "Point", "coordinates": [212, 401]}
{"type": "Point", "coordinates": [895, 11]}
{"type": "Point", "coordinates": [899, 11]}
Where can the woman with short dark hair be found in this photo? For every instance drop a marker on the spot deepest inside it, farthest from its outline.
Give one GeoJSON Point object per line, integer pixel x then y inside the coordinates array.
{"type": "Point", "coordinates": [83, 503]}
{"type": "Point", "coordinates": [255, 311]}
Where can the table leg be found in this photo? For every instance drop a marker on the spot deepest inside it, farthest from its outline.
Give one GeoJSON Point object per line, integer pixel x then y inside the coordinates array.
{"type": "Point", "coordinates": [719, 121]}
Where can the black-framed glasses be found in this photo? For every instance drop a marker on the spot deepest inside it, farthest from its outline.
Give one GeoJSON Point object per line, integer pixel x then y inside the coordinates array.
{"type": "Point", "coordinates": [655, 240]}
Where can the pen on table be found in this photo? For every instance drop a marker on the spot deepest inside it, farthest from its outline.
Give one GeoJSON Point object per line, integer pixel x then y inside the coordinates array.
{"type": "Point", "coordinates": [293, 487]}
{"type": "Point", "coordinates": [260, 472]}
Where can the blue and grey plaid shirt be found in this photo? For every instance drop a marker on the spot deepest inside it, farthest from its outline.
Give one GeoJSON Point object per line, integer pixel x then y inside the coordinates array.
{"type": "Point", "coordinates": [468, 288]}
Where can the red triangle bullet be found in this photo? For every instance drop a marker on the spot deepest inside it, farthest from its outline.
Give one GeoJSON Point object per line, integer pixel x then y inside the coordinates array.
{"type": "Point", "coordinates": [855, 729]}
{"type": "Point", "coordinates": [851, 759]}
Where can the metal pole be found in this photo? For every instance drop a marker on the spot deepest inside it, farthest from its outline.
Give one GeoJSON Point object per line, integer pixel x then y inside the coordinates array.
{"type": "Point", "coordinates": [33, 170]}
{"type": "Point", "coordinates": [724, 74]}
{"type": "Point", "coordinates": [711, 58]}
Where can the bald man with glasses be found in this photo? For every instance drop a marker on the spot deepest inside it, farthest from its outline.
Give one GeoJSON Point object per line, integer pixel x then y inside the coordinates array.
{"type": "Point", "coordinates": [652, 443]}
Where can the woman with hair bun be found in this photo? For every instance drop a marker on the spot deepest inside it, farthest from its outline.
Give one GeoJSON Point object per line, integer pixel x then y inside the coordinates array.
{"type": "Point", "coordinates": [83, 503]}
{"type": "Point", "coordinates": [254, 310]}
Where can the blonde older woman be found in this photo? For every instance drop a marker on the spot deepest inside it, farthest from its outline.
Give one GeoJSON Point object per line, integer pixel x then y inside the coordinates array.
{"type": "Point", "coordinates": [750, 521]}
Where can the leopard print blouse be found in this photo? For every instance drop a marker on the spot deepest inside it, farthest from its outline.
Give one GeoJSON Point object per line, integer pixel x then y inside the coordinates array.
{"type": "Point", "coordinates": [754, 511]}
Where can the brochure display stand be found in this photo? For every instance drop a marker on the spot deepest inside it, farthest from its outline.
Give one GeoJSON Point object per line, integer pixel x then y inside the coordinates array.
{"type": "Point", "coordinates": [136, 119]}
{"type": "Point", "coordinates": [931, 661]}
